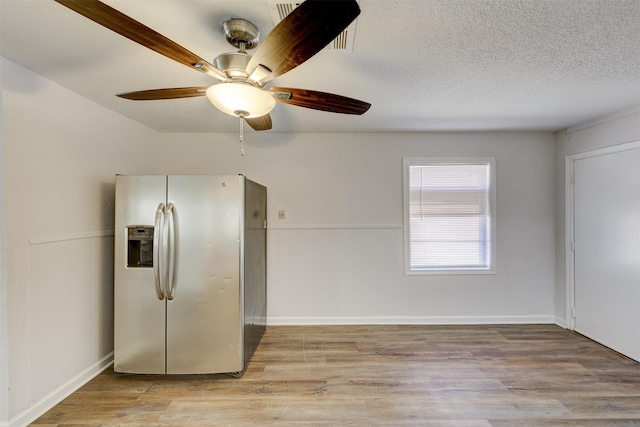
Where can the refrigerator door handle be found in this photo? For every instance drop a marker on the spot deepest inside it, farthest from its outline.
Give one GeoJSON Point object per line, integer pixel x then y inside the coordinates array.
{"type": "Point", "coordinates": [157, 235]}
{"type": "Point", "coordinates": [167, 265]}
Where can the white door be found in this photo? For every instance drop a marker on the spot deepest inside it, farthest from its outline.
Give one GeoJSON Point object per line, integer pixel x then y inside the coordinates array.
{"type": "Point", "coordinates": [607, 248]}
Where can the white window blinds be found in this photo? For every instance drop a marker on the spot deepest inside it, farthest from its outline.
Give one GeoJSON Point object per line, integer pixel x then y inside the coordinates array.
{"type": "Point", "coordinates": [449, 221]}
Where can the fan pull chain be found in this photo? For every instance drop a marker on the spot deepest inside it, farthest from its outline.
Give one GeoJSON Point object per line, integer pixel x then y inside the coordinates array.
{"type": "Point", "coordinates": [242, 136]}
{"type": "Point", "coordinates": [241, 114]}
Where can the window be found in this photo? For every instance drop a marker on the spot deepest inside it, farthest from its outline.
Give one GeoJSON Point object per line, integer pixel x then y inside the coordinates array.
{"type": "Point", "coordinates": [449, 209]}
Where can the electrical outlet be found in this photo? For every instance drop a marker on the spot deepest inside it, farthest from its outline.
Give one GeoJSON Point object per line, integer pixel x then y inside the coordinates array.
{"type": "Point", "coordinates": [281, 214]}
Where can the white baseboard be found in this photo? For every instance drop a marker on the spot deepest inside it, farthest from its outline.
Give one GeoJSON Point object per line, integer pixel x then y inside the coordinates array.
{"type": "Point", "coordinates": [413, 320]}
{"type": "Point", "coordinates": [58, 395]}
{"type": "Point", "coordinates": [561, 322]}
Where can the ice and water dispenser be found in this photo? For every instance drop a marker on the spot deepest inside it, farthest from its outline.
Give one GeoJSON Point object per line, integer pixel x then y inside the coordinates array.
{"type": "Point", "coordinates": [140, 246]}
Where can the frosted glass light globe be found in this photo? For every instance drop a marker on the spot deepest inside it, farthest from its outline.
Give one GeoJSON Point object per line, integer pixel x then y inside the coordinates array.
{"type": "Point", "coordinates": [238, 99]}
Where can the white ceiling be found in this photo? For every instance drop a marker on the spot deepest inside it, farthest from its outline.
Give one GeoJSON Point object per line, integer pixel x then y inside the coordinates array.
{"type": "Point", "coordinates": [424, 65]}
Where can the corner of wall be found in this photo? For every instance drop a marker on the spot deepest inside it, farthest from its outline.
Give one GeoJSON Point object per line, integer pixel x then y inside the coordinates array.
{"type": "Point", "coordinates": [4, 330]}
{"type": "Point", "coordinates": [560, 264]}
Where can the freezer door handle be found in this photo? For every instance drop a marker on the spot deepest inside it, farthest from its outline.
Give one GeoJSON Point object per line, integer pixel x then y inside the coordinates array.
{"type": "Point", "coordinates": [157, 233]}
{"type": "Point", "coordinates": [168, 244]}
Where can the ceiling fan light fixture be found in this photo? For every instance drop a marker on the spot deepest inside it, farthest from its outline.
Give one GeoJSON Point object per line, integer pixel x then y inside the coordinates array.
{"type": "Point", "coordinates": [236, 96]}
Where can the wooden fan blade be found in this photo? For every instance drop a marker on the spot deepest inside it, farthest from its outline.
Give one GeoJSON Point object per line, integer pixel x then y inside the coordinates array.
{"type": "Point", "coordinates": [321, 101]}
{"type": "Point", "coordinates": [174, 93]}
{"type": "Point", "coordinates": [260, 123]}
{"type": "Point", "coordinates": [128, 27]}
{"type": "Point", "coordinates": [302, 34]}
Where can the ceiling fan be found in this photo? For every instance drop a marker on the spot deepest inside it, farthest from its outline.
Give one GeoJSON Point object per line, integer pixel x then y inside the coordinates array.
{"type": "Point", "coordinates": [241, 89]}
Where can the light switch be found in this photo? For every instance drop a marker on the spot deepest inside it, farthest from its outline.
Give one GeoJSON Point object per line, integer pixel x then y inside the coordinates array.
{"type": "Point", "coordinates": [281, 214]}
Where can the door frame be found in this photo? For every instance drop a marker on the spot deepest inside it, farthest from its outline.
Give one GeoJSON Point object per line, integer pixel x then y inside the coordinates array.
{"type": "Point", "coordinates": [570, 221]}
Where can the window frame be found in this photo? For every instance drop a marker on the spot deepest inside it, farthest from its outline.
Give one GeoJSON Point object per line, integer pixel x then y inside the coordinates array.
{"type": "Point", "coordinates": [407, 162]}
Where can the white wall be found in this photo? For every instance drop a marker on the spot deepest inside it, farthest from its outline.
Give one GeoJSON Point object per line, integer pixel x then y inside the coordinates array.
{"type": "Point", "coordinates": [618, 128]}
{"type": "Point", "coordinates": [60, 155]}
{"type": "Point", "coordinates": [338, 255]}
{"type": "Point", "coordinates": [4, 328]}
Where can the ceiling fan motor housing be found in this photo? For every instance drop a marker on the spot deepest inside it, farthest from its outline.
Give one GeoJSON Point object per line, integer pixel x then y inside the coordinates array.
{"type": "Point", "coordinates": [234, 64]}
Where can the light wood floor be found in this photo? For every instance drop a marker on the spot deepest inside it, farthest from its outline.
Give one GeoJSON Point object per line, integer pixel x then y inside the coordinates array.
{"type": "Point", "coordinates": [462, 376]}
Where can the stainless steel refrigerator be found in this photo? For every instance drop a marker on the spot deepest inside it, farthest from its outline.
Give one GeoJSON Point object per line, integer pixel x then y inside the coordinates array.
{"type": "Point", "coordinates": [190, 273]}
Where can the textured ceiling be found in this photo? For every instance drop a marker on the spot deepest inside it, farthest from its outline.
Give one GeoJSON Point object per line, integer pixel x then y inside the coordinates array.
{"type": "Point", "coordinates": [424, 65]}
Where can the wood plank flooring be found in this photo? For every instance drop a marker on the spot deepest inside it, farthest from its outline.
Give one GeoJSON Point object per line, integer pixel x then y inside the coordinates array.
{"type": "Point", "coordinates": [462, 376]}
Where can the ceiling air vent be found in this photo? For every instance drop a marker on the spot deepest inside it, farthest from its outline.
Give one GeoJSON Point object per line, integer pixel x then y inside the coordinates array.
{"type": "Point", "coordinates": [343, 43]}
